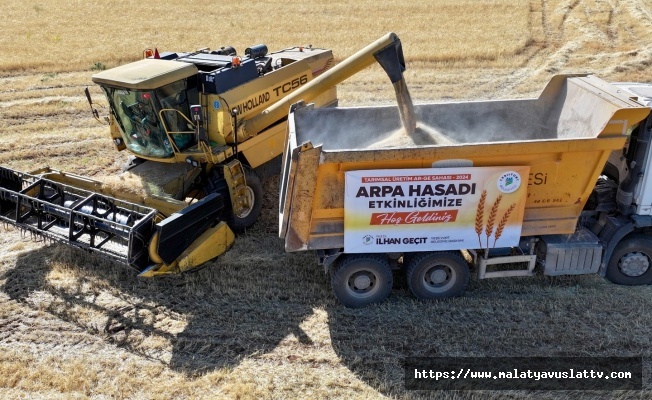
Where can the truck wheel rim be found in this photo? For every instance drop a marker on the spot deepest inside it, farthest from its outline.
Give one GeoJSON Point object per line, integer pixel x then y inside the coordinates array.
{"type": "Point", "coordinates": [362, 283]}
{"type": "Point", "coordinates": [439, 278]}
{"type": "Point", "coordinates": [634, 264]}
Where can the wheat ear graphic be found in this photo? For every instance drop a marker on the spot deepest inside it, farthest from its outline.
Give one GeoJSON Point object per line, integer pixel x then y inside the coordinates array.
{"type": "Point", "coordinates": [491, 220]}
{"type": "Point", "coordinates": [503, 222]}
{"type": "Point", "coordinates": [479, 215]}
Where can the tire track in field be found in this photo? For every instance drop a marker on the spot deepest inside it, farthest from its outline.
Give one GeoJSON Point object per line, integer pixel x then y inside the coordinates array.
{"type": "Point", "coordinates": [518, 76]}
{"type": "Point", "coordinates": [639, 7]}
{"type": "Point", "coordinates": [630, 17]}
{"type": "Point", "coordinates": [611, 29]}
{"type": "Point", "coordinates": [569, 45]}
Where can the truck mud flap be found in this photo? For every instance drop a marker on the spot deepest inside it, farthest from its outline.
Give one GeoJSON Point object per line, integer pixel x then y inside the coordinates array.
{"type": "Point", "coordinates": [116, 229]}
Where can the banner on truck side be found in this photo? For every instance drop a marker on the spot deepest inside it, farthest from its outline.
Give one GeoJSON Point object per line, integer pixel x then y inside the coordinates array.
{"type": "Point", "coordinates": [433, 209]}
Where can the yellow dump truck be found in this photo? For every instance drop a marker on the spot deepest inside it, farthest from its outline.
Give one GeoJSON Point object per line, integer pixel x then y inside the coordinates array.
{"type": "Point", "coordinates": [557, 181]}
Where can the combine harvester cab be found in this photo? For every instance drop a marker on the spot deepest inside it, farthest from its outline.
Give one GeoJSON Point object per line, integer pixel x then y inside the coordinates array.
{"type": "Point", "coordinates": [367, 197]}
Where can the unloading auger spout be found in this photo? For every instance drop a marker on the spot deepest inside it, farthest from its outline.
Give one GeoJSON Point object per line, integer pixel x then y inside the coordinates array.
{"type": "Point", "coordinates": [387, 51]}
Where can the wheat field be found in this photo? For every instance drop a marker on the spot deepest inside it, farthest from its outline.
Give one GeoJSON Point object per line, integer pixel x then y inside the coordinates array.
{"type": "Point", "coordinates": [257, 322]}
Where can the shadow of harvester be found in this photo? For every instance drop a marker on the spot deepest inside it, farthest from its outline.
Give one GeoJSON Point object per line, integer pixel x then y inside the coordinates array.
{"type": "Point", "coordinates": [194, 323]}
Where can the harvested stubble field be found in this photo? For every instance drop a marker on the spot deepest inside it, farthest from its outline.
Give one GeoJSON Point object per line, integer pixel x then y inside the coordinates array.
{"type": "Point", "coordinates": [257, 322]}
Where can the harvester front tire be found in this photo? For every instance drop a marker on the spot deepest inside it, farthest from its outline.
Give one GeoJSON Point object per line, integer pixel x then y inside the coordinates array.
{"type": "Point", "coordinates": [240, 223]}
{"type": "Point", "coordinates": [631, 262]}
{"type": "Point", "coordinates": [362, 279]}
{"type": "Point", "coordinates": [436, 275]}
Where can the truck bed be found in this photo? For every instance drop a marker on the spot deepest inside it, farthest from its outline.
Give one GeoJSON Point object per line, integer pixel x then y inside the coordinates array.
{"type": "Point", "coordinates": [565, 136]}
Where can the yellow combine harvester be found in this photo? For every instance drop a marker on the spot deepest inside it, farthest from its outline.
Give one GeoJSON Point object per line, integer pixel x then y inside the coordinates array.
{"type": "Point", "coordinates": [202, 126]}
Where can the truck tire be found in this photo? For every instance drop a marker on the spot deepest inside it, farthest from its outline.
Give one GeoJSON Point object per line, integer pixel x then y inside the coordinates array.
{"type": "Point", "coordinates": [435, 275]}
{"type": "Point", "coordinates": [631, 261]}
{"type": "Point", "coordinates": [362, 279]}
{"type": "Point", "coordinates": [240, 223]}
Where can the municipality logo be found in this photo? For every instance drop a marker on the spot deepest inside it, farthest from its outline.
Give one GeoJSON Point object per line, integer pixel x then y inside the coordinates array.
{"type": "Point", "coordinates": [509, 182]}
{"type": "Point", "coordinates": [368, 239]}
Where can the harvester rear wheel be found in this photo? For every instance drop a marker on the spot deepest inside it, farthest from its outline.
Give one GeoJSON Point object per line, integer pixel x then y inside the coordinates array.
{"type": "Point", "coordinates": [362, 279]}
{"type": "Point", "coordinates": [435, 275]}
